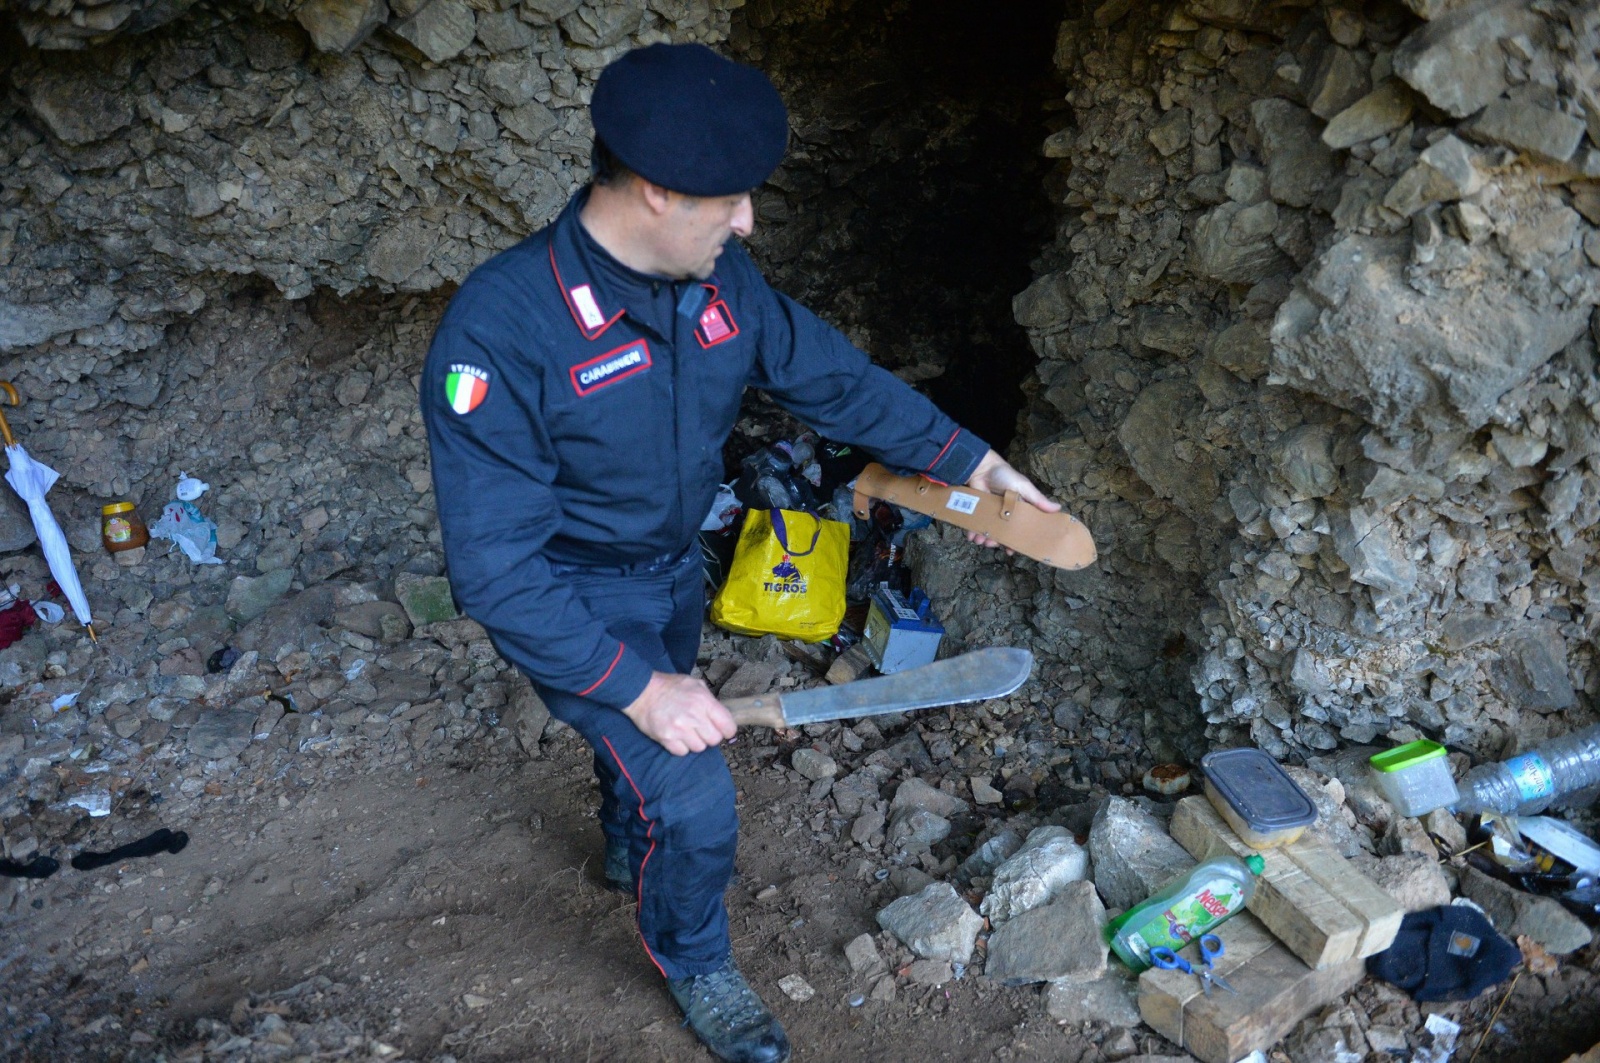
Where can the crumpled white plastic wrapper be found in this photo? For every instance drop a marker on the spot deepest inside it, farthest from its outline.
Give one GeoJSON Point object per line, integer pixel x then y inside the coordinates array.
{"type": "Point", "coordinates": [182, 523]}
{"type": "Point", "coordinates": [725, 509]}
{"type": "Point", "coordinates": [95, 802]}
{"type": "Point", "coordinates": [1445, 1034]}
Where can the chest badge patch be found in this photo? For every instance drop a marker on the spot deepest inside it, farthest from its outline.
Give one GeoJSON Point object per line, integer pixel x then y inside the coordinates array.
{"type": "Point", "coordinates": [466, 387]}
{"type": "Point", "coordinates": [589, 377]}
{"type": "Point", "coordinates": [716, 325]}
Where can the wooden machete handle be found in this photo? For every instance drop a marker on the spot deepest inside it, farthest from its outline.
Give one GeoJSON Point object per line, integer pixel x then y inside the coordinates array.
{"type": "Point", "coordinates": [763, 710]}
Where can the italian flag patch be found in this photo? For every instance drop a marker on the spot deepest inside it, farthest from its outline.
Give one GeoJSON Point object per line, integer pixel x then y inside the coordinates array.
{"type": "Point", "coordinates": [466, 387]}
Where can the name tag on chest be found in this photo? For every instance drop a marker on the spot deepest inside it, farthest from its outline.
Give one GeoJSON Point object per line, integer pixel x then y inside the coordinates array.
{"type": "Point", "coordinates": [611, 367]}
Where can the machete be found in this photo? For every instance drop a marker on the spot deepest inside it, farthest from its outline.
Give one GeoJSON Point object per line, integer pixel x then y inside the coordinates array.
{"type": "Point", "coordinates": [975, 676]}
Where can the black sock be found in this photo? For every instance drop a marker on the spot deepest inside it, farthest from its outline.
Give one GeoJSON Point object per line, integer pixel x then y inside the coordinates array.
{"type": "Point", "coordinates": [162, 841]}
{"type": "Point", "coordinates": [38, 867]}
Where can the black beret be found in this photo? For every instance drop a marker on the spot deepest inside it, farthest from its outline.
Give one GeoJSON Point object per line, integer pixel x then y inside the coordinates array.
{"type": "Point", "coordinates": [683, 117]}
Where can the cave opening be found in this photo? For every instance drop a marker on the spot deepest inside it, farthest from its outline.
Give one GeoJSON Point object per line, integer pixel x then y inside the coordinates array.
{"type": "Point", "coordinates": [1210, 242]}
{"type": "Point", "coordinates": [912, 203]}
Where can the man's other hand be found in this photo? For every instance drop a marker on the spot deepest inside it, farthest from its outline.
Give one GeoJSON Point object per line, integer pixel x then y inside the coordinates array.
{"type": "Point", "coordinates": [995, 475]}
{"type": "Point", "coordinates": [681, 713]}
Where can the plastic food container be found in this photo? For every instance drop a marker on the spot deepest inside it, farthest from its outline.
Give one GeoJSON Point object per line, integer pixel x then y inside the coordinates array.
{"type": "Point", "coordinates": [1415, 778]}
{"type": "Point", "coordinates": [1256, 796]}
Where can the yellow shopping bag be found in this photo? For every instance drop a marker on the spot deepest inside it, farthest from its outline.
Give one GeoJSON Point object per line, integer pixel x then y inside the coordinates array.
{"type": "Point", "coordinates": [787, 577]}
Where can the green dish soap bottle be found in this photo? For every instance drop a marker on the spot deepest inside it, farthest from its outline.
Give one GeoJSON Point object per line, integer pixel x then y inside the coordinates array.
{"type": "Point", "coordinates": [1185, 908]}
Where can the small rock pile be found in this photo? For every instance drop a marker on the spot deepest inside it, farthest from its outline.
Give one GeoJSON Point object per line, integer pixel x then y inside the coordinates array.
{"type": "Point", "coordinates": [1029, 904]}
{"type": "Point", "coordinates": [301, 1022]}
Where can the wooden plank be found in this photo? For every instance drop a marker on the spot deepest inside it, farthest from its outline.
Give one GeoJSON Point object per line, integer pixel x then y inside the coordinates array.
{"type": "Point", "coordinates": [1276, 991]}
{"type": "Point", "coordinates": [1382, 913]}
{"type": "Point", "coordinates": [1315, 924]}
{"type": "Point", "coordinates": [1161, 1001]}
{"type": "Point", "coordinates": [1163, 994]}
{"type": "Point", "coordinates": [1196, 824]}
{"type": "Point", "coordinates": [850, 665]}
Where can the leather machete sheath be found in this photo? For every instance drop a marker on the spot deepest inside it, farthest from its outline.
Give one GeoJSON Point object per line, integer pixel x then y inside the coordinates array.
{"type": "Point", "coordinates": [1057, 539]}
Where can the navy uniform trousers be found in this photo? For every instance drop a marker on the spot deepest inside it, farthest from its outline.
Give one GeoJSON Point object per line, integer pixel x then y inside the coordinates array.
{"type": "Point", "coordinates": [675, 813]}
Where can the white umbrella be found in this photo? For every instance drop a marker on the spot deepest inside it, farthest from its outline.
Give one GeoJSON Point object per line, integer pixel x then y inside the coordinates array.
{"type": "Point", "coordinates": [31, 480]}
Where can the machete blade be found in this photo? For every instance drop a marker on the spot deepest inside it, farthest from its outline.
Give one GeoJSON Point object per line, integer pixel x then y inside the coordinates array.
{"type": "Point", "coordinates": [975, 676]}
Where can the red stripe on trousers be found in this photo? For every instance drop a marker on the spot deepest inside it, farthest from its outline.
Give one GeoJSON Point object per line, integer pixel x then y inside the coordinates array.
{"type": "Point", "coordinates": [649, 833]}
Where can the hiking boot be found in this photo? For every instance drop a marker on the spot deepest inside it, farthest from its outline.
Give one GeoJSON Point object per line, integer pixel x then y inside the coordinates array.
{"type": "Point", "coordinates": [619, 876]}
{"type": "Point", "coordinates": [728, 1017]}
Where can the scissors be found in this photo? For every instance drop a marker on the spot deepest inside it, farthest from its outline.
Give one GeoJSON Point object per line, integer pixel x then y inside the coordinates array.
{"type": "Point", "coordinates": [1210, 949]}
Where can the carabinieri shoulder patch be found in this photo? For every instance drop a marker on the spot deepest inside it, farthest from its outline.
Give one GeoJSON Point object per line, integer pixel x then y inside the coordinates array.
{"type": "Point", "coordinates": [466, 387]}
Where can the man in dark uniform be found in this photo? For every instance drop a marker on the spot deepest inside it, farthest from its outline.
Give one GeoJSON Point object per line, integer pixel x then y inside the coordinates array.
{"type": "Point", "coordinates": [577, 397]}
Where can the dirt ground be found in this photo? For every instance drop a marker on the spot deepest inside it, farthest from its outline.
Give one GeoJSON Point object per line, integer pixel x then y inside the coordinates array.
{"type": "Point", "coordinates": [459, 912]}
{"type": "Point", "coordinates": [455, 912]}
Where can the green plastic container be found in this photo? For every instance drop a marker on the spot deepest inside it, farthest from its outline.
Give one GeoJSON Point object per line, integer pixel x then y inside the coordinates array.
{"type": "Point", "coordinates": [1415, 778]}
{"type": "Point", "coordinates": [1192, 904]}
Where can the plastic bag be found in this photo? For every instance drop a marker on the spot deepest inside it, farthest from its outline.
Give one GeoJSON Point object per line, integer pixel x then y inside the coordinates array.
{"type": "Point", "coordinates": [196, 536]}
{"type": "Point", "coordinates": [768, 479]}
{"type": "Point", "coordinates": [725, 509]}
{"type": "Point", "coordinates": [183, 523]}
{"type": "Point", "coordinates": [787, 577]}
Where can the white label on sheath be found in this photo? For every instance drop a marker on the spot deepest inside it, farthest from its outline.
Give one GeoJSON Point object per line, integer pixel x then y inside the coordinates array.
{"type": "Point", "coordinates": [962, 503]}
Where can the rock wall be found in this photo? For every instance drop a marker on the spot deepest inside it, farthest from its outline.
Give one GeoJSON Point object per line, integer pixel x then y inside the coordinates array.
{"type": "Point", "coordinates": [315, 145]}
{"type": "Point", "coordinates": [1317, 350]}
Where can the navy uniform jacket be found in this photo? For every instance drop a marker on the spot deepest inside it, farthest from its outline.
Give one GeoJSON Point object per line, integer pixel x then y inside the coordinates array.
{"type": "Point", "coordinates": [576, 412]}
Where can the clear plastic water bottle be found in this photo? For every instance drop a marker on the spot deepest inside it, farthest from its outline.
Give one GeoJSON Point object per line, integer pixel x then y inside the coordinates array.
{"type": "Point", "coordinates": [1528, 783]}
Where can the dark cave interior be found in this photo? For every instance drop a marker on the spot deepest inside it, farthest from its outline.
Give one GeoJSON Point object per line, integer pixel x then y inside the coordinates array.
{"type": "Point", "coordinates": [913, 200]}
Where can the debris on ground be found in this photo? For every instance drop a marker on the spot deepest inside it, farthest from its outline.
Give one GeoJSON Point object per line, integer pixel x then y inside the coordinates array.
{"type": "Point", "coordinates": [1316, 924]}
{"type": "Point", "coordinates": [182, 523]}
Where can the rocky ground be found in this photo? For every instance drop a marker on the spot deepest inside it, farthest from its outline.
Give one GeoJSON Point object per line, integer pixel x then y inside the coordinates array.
{"type": "Point", "coordinates": [359, 885]}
